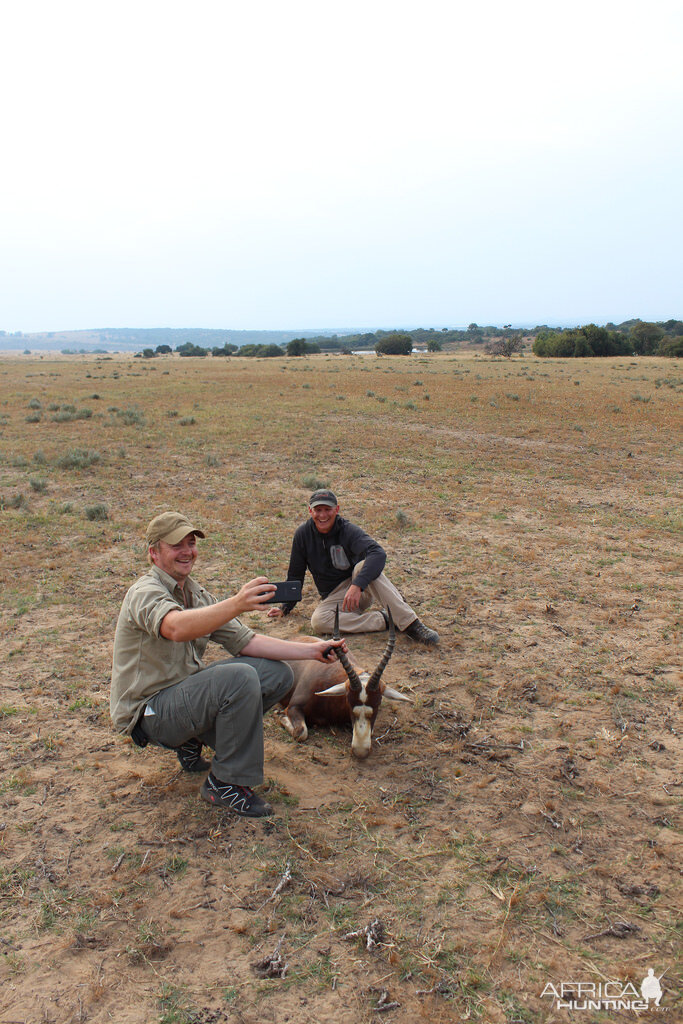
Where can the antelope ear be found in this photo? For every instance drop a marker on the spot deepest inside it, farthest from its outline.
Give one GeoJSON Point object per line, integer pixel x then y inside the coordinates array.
{"type": "Point", "coordinates": [334, 691]}
{"type": "Point", "coordinates": [391, 694]}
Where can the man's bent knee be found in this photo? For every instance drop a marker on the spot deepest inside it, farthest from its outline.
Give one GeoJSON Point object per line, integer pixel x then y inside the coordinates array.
{"type": "Point", "coordinates": [322, 621]}
{"type": "Point", "coordinates": [229, 679]}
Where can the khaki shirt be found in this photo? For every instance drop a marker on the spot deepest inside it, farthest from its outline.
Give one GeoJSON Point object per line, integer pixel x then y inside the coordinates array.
{"type": "Point", "coordinates": [144, 661]}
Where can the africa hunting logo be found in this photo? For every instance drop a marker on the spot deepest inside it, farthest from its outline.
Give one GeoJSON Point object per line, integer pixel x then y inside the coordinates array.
{"type": "Point", "coordinates": [608, 995]}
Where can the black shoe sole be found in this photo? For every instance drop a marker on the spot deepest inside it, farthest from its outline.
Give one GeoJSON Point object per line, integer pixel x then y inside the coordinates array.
{"type": "Point", "coordinates": [199, 766]}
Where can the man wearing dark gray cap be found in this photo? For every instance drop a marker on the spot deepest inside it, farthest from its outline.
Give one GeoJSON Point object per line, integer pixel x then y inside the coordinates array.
{"type": "Point", "coordinates": [347, 568]}
{"type": "Point", "coordinates": [162, 693]}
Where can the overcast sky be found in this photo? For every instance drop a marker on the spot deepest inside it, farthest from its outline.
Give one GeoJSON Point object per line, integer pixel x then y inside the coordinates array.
{"type": "Point", "coordinates": [309, 164]}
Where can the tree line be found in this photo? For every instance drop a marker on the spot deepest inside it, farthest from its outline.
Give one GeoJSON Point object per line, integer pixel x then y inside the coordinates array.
{"type": "Point", "coordinates": [642, 338]}
{"type": "Point", "coordinates": [632, 337]}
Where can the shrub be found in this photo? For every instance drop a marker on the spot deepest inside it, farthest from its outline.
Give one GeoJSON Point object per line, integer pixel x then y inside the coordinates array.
{"type": "Point", "coordinates": [131, 417]}
{"type": "Point", "coordinates": [78, 458]}
{"type": "Point", "coordinates": [68, 413]}
{"type": "Point", "coordinates": [581, 342]}
{"type": "Point", "coordinates": [646, 338]}
{"type": "Point", "coordinates": [313, 483]}
{"type": "Point", "coordinates": [301, 347]}
{"type": "Point", "coordinates": [16, 501]}
{"type": "Point", "coordinates": [671, 347]}
{"type": "Point", "coordinates": [97, 512]}
{"type": "Point", "coordinates": [394, 345]}
{"type": "Point", "coordinates": [188, 349]}
{"type": "Point", "coordinates": [505, 346]}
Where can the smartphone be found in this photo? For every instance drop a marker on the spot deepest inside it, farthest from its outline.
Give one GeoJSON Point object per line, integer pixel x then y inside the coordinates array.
{"type": "Point", "coordinates": [290, 590]}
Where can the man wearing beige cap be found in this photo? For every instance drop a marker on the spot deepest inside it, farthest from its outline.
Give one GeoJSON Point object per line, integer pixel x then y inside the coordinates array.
{"type": "Point", "coordinates": [347, 567]}
{"type": "Point", "coordinates": [162, 693]}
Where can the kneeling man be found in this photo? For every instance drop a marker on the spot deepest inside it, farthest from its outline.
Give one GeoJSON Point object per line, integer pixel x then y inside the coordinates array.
{"type": "Point", "coordinates": [162, 693]}
{"type": "Point", "coordinates": [347, 568]}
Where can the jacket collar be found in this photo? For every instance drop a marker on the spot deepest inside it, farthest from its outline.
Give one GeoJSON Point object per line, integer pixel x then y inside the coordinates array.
{"type": "Point", "coordinates": [172, 585]}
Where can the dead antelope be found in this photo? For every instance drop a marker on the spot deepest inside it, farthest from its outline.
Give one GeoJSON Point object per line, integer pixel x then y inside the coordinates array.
{"type": "Point", "coordinates": [337, 694]}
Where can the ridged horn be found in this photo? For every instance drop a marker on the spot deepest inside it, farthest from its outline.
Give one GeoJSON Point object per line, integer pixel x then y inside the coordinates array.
{"type": "Point", "coordinates": [373, 681]}
{"type": "Point", "coordinates": [354, 681]}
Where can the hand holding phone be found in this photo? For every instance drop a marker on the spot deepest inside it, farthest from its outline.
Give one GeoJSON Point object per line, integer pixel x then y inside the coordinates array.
{"type": "Point", "coordinates": [289, 590]}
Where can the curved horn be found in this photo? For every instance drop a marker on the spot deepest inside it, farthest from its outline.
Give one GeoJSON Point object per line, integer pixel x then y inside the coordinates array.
{"type": "Point", "coordinates": [354, 681]}
{"type": "Point", "coordinates": [391, 694]}
{"type": "Point", "coordinates": [373, 681]}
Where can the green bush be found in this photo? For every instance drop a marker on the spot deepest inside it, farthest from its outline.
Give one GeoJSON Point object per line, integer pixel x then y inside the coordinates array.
{"type": "Point", "coordinates": [646, 338]}
{"type": "Point", "coordinates": [78, 458]}
{"type": "Point", "coordinates": [131, 417]}
{"type": "Point", "coordinates": [581, 342]}
{"type": "Point", "coordinates": [16, 501]}
{"type": "Point", "coordinates": [313, 483]}
{"type": "Point", "coordinates": [188, 349]}
{"type": "Point", "coordinates": [394, 345]}
{"type": "Point", "coordinates": [97, 513]}
{"type": "Point", "coordinates": [671, 347]}
{"type": "Point", "coordinates": [68, 413]}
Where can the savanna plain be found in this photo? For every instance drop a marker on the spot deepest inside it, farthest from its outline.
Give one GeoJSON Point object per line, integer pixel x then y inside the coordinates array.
{"type": "Point", "coordinates": [516, 826]}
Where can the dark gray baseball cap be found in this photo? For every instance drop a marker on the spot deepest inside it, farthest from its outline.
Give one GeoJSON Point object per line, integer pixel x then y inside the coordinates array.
{"type": "Point", "coordinates": [323, 498]}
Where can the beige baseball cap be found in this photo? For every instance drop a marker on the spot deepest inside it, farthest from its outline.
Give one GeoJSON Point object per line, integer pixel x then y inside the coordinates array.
{"type": "Point", "coordinates": [170, 527]}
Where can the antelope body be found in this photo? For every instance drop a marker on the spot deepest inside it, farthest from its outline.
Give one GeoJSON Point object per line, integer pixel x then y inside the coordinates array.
{"type": "Point", "coordinates": [338, 694]}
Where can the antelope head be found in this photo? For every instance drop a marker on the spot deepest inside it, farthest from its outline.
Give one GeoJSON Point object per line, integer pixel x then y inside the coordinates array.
{"type": "Point", "coordinates": [364, 691]}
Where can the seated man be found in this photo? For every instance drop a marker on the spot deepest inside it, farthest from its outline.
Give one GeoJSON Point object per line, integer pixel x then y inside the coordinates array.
{"type": "Point", "coordinates": [162, 693]}
{"type": "Point", "coordinates": [346, 565]}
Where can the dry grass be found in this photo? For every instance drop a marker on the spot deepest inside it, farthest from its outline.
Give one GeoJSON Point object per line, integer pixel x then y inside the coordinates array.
{"type": "Point", "coordinates": [504, 832]}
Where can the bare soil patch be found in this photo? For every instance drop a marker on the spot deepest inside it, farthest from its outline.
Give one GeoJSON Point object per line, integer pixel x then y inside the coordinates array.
{"type": "Point", "coordinates": [518, 826]}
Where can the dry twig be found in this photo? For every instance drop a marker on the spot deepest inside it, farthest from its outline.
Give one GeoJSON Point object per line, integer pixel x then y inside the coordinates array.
{"type": "Point", "coordinates": [272, 966]}
{"type": "Point", "coordinates": [373, 934]}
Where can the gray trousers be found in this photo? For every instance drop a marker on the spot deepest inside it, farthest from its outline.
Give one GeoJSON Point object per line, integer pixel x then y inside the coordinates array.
{"type": "Point", "coordinates": [223, 706]}
{"type": "Point", "coordinates": [381, 591]}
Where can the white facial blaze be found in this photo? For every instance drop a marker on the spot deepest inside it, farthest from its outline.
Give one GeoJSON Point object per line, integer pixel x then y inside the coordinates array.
{"type": "Point", "coordinates": [362, 730]}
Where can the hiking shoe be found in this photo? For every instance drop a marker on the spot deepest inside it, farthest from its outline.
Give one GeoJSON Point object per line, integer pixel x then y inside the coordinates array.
{"type": "Point", "coordinates": [422, 634]}
{"type": "Point", "coordinates": [240, 799]}
{"type": "Point", "coordinates": [190, 757]}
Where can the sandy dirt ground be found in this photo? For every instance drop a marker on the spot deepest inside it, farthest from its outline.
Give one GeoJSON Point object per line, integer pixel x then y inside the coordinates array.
{"type": "Point", "coordinates": [514, 837]}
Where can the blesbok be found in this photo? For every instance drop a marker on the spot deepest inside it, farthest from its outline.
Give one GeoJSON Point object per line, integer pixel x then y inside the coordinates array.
{"type": "Point", "coordinates": [339, 694]}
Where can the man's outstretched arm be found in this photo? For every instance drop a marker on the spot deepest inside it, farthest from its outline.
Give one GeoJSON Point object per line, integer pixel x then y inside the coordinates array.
{"type": "Point", "coordinates": [182, 625]}
{"type": "Point", "coordinates": [272, 647]}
